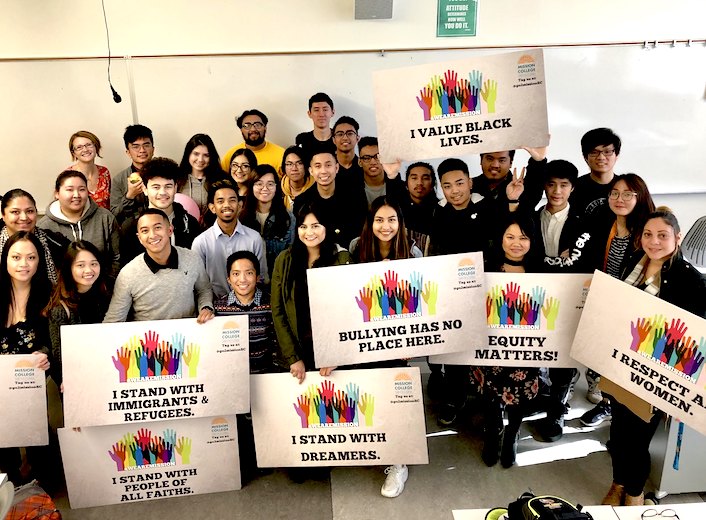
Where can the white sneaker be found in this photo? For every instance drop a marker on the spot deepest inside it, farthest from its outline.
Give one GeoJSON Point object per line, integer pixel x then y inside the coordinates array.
{"type": "Point", "coordinates": [394, 483]}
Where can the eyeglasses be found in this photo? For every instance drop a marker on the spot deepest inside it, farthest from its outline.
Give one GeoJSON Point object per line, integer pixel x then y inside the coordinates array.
{"type": "Point", "coordinates": [295, 164]}
{"type": "Point", "coordinates": [82, 147]}
{"type": "Point", "coordinates": [625, 195]}
{"type": "Point", "coordinates": [270, 185]}
{"type": "Point", "coordinates": [347, 133]}
{"type": "Point", "coordinates": [244, 167]}
{"type": "Point", "coordinates": [367, 158]}
{"type": "Point", "coordinates": [143, 146]}
{"type": "Point", "coordinates": [665, 513]}
{"type": "Point", "coordinates": [604, 153]}
{"type": "Point", "coordinates": [256, 126]}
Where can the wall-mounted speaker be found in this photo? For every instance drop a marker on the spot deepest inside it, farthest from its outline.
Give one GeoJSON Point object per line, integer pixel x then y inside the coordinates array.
{"type": "Point", "coordinates": [373, 9]}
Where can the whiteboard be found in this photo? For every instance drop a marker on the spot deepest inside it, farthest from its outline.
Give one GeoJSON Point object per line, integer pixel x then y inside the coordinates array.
{"type": "Point", "coordinates": [653, 99]}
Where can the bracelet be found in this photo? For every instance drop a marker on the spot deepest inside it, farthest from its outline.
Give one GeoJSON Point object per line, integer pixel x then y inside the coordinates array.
{"type": "Point", "coordinates": [516, 201]}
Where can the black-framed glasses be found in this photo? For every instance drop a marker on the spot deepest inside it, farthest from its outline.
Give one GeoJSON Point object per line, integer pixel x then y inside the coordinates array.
{"type": "Point", "coordinates": [348, 133]}
{"type": "Point", "coordinates": [604, 153]}
{"type": "Point", "coordinates": [243, 167]}
{"type": "Point", "coordinates": [256, 126]}
{"type": "Point", "coordinates": [625, 195]}
{"type": "Point", "coordinates": [664, 513]}
{"type": "Point", "coordinates": [367, 158]}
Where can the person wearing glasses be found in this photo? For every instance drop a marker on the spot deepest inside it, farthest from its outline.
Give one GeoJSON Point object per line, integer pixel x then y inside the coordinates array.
{"type": "Point", "coordinates": [345, 137]}
{"type": "Point", "coordinates": [84, 147]}
{"type": "Point", "coordinates": [376, 180]}
{"type": "Point", "coordinates": [600, 148]}
{"type": "Point", "coordinates": [611, 236]}
{"type": "Point", "coordinates": [265, 212]}
{"type": "Point", "coordinates": [253, 126]}
{"type": "Point", "coordinates": [320, 112]}
{"type": "Point", "coordinates": [296, 178]}
{"type": "Point", "coordinates": [242, 169]}
{"type": "Point", "coordinates": [126, 195]}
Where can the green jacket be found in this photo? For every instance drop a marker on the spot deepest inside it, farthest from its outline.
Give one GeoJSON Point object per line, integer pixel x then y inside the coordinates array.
{"type": "Point", "coordinates": [284, 308]}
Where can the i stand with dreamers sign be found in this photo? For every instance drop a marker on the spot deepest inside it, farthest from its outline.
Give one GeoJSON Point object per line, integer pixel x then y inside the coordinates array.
{"type": "Point", "coordinates": [352, 418]}
{"type": "Point", "coordinates": [400, 309]}
{"type": "Point", "coordinates": [481, 104]}
{"type": "Point", "coordinates": [531, 320]}
{"type": "Point", "coordinates": [649, 347]}
{"type": "Point", "coordinates": [155, 370]}
{"type": "Point", "coordinates": [149, 461]}
{"type": "Point", "coordinates": [24, 402]}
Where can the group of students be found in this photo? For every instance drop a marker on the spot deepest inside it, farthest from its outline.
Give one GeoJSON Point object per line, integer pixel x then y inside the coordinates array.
{"type": "Point", "coordinates": [243, 241]}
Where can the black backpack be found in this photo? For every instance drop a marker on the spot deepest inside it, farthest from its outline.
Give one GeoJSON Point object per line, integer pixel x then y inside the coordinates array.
{"type": "Point", "coordinates": [545, 507]}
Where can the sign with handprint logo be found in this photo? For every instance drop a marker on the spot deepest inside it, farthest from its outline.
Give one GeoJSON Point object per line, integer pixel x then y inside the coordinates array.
{"type": "Point", "coordinates": [24, 402]}
{"type": "Point", "coordinates": [154, 371]}
{"type": "Point", "coordinates": [397, 309]}
{"type": "Point", "coordinates": [352, 418]}
{"type": "Point", "coordinates": [114, 464]}
{"type": "Point", "coordinates": [646, 346]}
{"type": "Point", "coordinates": [530, 320]}
{"type": "Point", "coordinates": [475, 105]}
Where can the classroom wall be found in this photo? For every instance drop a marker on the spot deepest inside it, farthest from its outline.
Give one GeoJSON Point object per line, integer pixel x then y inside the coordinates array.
{"type": "Point", "coordinates": [653, 98]}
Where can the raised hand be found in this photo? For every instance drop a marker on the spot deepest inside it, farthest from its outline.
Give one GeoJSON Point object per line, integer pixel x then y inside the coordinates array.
{"type": "Point", "coordinates": [150, 342]}
{"type": "Point", "coordinates": [676, 331]}
{"type": "Point", "coordinates": [191, 358]}
{"type": "Point", "coordinates": [416, 279]}
{"type": "Point", "coordinates": [682, 353]}
{"type": "Point", "coordinates": [489, 94]}
{"type": "Point", "coordinates": [132, 345]}
{"type": "Point", "coordinates": [476, 79]}
{"type": "Point", "coordinates": [461, 94]}
{"type": "Point", "coordinates": [118, 455]}
{"type": "Point", "coordinates": [367, 407]}
{"type": "Point", "coordinates": [399, 301]}
{"type": "Point", "coordinates": [302, 409]}
{"type": "Point", "coordinates": [167, 452]}
{"type": "Point", "coordinates": [429, 296]}
{"type": "Point", "coordinates": [141, 361]}
{"type": "Point", "coordinates": [443, 100]}
{"type": "Point", "coordinates": [450, 94]}
{"type": "Point", "coordinates": [122, 362]}
{"type": "Point", "coordinates": [450, 79]}
{"type": "Point", "coordinates": [639, 331]}
{"type": "Point", "coordinates": [533, 314]}
{"type": "Point", "coordinates": [538, 294]}
{"type": "Point", "coordinates": [659, 342]}
{"type": "Point", "coordinates": [183, 448]}
{"type": "Point", "coordinates": [383, 302]}
{"type": "Point", "coordinates": [365, 302]}
{"type": "Point", "coordinates": [353, 391]}
{"type": "Point", "coordinates": [391, 279]}
{"type": "Point", "coordinates": [511, 292]}
{"type": "Point", "coordinates": [502, 310]}
{"type": "Point", "coordinates": [490, 311]}
{"type": "Point", "coordinates": [425, 102]}
{"type": "Point", "coordinates": [350, 409]}
{"type": "Point", "coordinates": [551, 311]}
{"type": "Point", "coordinates": [474, 99]}
{"type": "Point", "coordinates": [516, 186]}
{"type": "Point", "coordinates": [327, 390]}
{"type": "Point", "coordinates": [169, 436]}
{"type": "Point", "coordinates": [414, 300]}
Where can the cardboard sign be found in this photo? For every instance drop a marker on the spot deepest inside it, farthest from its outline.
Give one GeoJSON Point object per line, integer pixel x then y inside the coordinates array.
{"type": "Point", "coordinates": [148, 461]}
{"type": "Point", "coordinates": [353, 418]}
{"type": "Point", "coordinates": [481, 104]}
{"type": "Point", "coordinates": [122, 373]}
{"type": "Point", "coordinates": [24, 402]}
{"type": "Point", "coordinates": [399, 309]}
{"type": "Point", "coordinates": [651, 348]}
{"type": "Point", "coordinates": [531, 321]}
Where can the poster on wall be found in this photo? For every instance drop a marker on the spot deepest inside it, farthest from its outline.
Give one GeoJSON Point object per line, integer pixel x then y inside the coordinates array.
{"type": "Point", "coordinates": [148, 461]}
{"type": "Point", "coordinates": [531, 320]}
{"type": "Point", "coordinates": [24, 402]}
{"type": "Point", "coordinates": [121, 373]}
{"type": "Point", "coordinates": [448, 109]}
{"type": "Point", "coordinates": [649, 347]}
{"type": "Point", "coordinates": [352, 418]}
{"type": "Point", "coordinates": [400, 309]}
{"type": "Point", "coordinates": [456, 17]}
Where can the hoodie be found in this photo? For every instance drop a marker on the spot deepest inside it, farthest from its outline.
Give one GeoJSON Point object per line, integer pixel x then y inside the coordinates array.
{"type": "Point", "coordinates": [97, 225]}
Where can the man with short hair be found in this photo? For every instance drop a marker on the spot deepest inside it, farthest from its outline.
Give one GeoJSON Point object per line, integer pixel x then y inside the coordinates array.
{"type": "Point", "coordinates": [166, 282]}
{"type": "Point", "coordinates": [126, 197]}
{"type": "Point", "coordinates": [159, 178]}
{"type": "Point", "coordinates": [253, 126]}
{"type": "Point", "coordinates": [226, 236]}
{"type": "Point", "coordinates": [419, 203]}
{"type": "Point", "coordinates": [378, 180]}
{"type": "Point", "coordinates": [344, 205]}
{"type": "Point", "coordinates": [345, 137]}
{"type": "Point", "coordinates": [600, 148]}
{"type": "Point", "coordinates": [496, 175]}
{"type": "Point", "coordinates": [320, 112]}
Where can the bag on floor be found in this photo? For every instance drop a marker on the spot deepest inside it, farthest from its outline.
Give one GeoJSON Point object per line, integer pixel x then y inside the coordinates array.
{"type": "Point", "coordinates": [545, 507]}
{"type": "Point", "coordinates": [31, 502]}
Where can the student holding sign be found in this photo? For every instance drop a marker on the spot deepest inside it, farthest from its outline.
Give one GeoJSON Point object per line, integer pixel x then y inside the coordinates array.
{"type": "Point", "coordinates": [24, 291]}
{"type": "Point", "coordinates": [658, 268]}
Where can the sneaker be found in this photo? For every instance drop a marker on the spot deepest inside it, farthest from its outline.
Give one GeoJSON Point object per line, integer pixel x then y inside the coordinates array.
{"type": "Point", "coordinates": [601, 412]}
{"type": "Point", "coordinates": [394, 483]}
{"type": "Point", "coordinates": [448, 414]}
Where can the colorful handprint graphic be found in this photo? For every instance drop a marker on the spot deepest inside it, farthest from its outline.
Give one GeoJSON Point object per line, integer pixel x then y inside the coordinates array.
{"type": "Point", "coordinates": [448, 94]}
{"type": "Point", "coordinates": [324, 406]}
{"type": "Point", "coordinates": [149, 358]}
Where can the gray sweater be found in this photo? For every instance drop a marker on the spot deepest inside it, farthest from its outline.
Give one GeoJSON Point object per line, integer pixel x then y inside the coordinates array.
{"type": "Point", "coordinates": [167, 294]}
